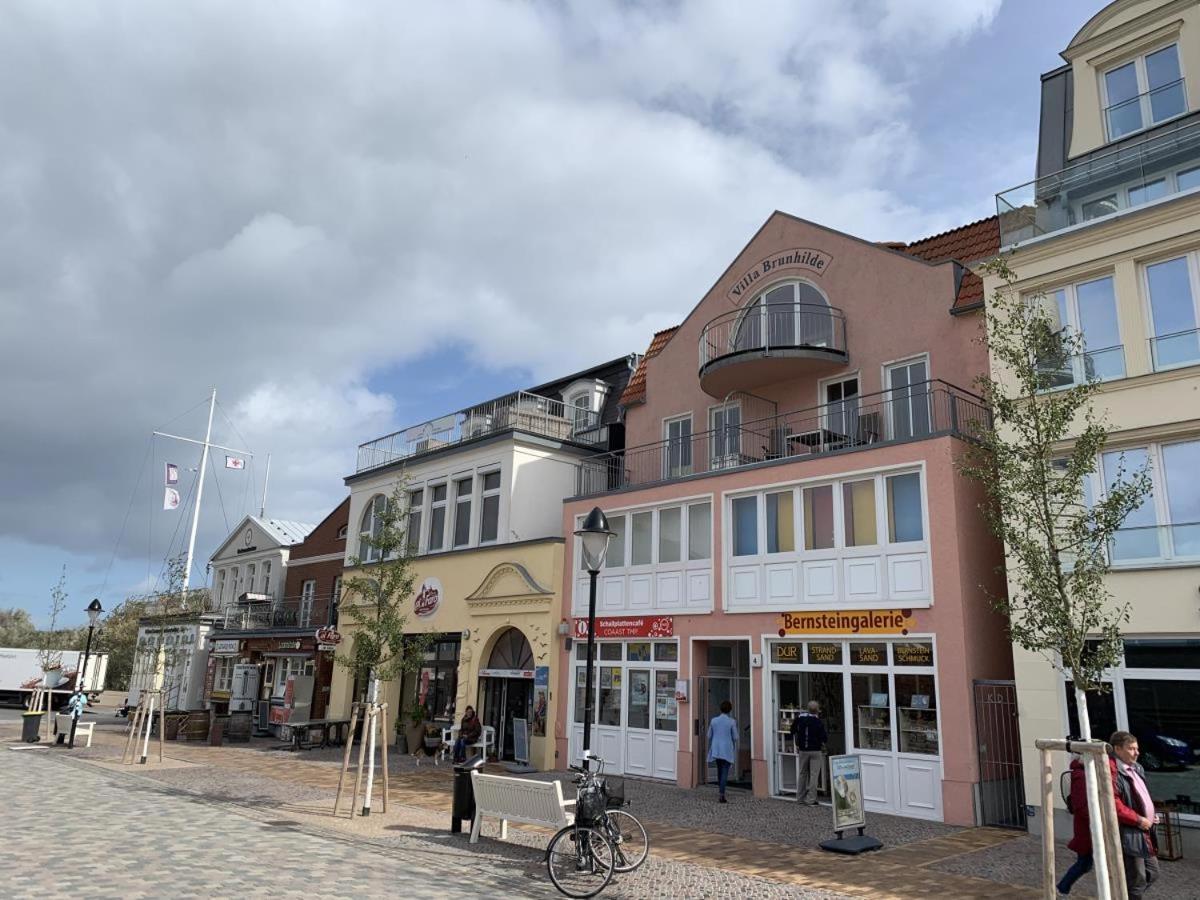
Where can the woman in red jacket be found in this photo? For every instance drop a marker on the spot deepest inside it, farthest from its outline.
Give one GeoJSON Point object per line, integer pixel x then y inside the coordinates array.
{"type": "Point", "coordinates": [1081, 840]}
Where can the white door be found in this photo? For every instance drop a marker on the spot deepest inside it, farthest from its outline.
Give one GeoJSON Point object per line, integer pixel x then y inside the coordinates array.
{"type": "Point", "coordinates": [665, 718]}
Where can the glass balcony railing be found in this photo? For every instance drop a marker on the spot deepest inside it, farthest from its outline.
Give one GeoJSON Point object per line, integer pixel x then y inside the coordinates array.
{"type": "Point", "coordinates": [1170, 351]}
{"type": "Point", "coordinates": [1163, 102]}
{"type": "Point", "coordinates": [1164, 164]}
{"type": "Point", "coordinates": [1150, 544]}
{"type": "Point", "coordinates": [1107, 364]}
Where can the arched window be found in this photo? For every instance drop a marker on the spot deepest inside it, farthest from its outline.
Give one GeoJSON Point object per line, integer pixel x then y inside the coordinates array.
{"type": "Point", "coordinates": [370, 528]}
{"type": "Point", "coordinates": [794, 314]}
{"type": "Point", "coordinates": [512, 651]}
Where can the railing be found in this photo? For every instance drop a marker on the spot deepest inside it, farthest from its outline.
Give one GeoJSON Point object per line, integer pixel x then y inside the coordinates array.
{"type": "Point", "coordinates": [1169, 351]}
{"type": "Point", "coordinates": [783, 326]}
{"type": "Point", "coordinates": [1107, 364]}
{"type": "Point", "coordinates": [1150, 544]}
{"type": "Point", "coordinates": [521, 411]}
{"type": "Point", "coordinates": [924, 410]}
{"type": "Point", "coordinates": [1070, 197]}
{"type": "Point", "coordinates": [297, 612]}
{"type": "Point", "coordinates": [1164, 102]}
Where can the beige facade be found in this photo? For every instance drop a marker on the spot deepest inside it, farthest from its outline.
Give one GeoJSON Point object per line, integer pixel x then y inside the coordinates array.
{"type": "Point", "coordinates": [1133, 277]}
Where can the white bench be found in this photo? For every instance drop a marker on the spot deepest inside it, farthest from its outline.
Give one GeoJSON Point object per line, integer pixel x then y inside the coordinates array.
{"type": "Point", "coordinates": [519, 800]}
{"type": "Point", "coordinates": [487, 741]}
{"type": "Point", "coordinates": [62, 725]}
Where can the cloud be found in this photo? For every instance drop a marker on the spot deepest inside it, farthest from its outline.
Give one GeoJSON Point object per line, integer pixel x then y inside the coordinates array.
{"type": "Point", "coordinates": [283, 199]}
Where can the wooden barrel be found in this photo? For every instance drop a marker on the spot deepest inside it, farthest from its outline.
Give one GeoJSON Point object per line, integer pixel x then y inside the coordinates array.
{"type": "Point", "coordinates": [238, 727]}
{"type": "Point", "coordinates": [195, 728]}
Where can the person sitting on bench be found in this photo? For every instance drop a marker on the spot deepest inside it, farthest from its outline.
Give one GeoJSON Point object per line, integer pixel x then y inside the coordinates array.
{"type": "Point", "coordinates": [468, 733]}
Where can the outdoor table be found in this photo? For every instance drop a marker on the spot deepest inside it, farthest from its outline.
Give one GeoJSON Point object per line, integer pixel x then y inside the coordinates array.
{"type": "Point", "coordinates": [300, 732]}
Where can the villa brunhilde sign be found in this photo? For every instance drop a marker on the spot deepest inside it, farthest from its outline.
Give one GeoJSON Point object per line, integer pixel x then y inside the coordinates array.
{"type": "Point", "coordinates": [816, 261]}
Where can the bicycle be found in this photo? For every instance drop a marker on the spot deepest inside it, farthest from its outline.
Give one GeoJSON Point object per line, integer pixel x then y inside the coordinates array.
{"type": "Point", "coordinates": [631, 844]}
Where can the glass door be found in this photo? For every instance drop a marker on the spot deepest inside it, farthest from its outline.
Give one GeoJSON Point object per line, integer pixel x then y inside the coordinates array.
{"type": "Point", "coordinates": [639, 740]}
{"type": "Point", "coordinates": [908, 400]}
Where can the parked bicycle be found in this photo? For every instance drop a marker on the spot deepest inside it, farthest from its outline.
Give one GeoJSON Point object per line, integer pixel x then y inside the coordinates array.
{"type": "Point", "coordinates": [604, 838]}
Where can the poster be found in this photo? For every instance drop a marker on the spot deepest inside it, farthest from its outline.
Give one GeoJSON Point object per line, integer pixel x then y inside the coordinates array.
{"type": "Point", "coordinates": [845, 777]}
{"type": "Point", "coordinates": [541, 691]}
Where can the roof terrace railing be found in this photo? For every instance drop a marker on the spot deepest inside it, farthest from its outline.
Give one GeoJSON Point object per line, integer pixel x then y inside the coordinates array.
{"type": "Point", "coordinates": [522, 411]}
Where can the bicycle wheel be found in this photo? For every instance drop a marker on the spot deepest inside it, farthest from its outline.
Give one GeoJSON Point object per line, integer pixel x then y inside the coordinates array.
{"type": "Point", "coordinates": [580, 861]}
{"type": "Point", "coordinates": [631, 845]}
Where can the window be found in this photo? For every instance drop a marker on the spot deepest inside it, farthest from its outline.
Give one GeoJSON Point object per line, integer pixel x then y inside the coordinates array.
{"type": "Point", "coordinates": [341, 533]}
{"type": "Point", "coordinates": [745, 526]}
{"type": "Point", "coordinates": [463, 488]}
{"type": "Point", "coordinates": [905, 521]}
{"type": "Point", "coordinates": [223, 674]}
{"type": "Point", "coordinates": [643, 546]}
{"type": "Point", "coordinates": [781, 523]}
{"type": "Point", "coordinates": [437, 682]}
{"type": "Point", "coordinates": [1143, 92]}
{"type": "Point", "coordinates": [1144, 193]}
{"type": "Point", "coordinates": [678, 435]}
{"type": "Point", "coordinates": [235, 582]}
{"type": "Point", "coordinates": [286, 666]}
{"type": "Point", "coordinates": [437, 517]}
{"type": "Point", "coordinates": [370, 528]}
{"type": "Point", "coordinates": [725, 423]}
{"type": "Point", "coordinates": [416, 504]}
{"type": "Point", "coordinates": [1187, 179]}
{"type": "Point", "coordinates": [787, 315]}
{"type": "Point", "coordinates": [489, 520]}
{"type": "Point", "coordinates": [251, 576]}
{"type": "Point", "coordinates": [1088, 310]}
{"type": "Point", "coordinates": [700, 531]}
{"type": "Point", "coordinates": [841, 406]}
{"type": "Point", "coordinates": [336, 594]}
{"type": "Point", "coordinates": [616, 546]}
{"type": "Point", "coordinates": [670, 528]}
{"type": "Point", "coordinates": [221, 585]}
{"type": "Point", "coordinates": [582, 416]}
{"type": "Point", "coordinates": [610, 695]}
{"type": "Point", "coordinates": [908, 400]}
{"type": "Point", "coordinates": [858, 513]}
{"type": "Point", "coordinates": [1101, 206]}
{"type": "Point", "coordinates": [266, 577]}
{"type": "Point", "coordinates": [666, 708]}
{"type": "Point", "coordinates": [1167, 525]}
{"type": "Point", "coordinates": [639, 698]}
{"type": "Point", "coordinates": [818, 517]}
{"type": "Point", "coordinates": [1174, 312]}
{"type": "Point", "coordinates": [307, 592]}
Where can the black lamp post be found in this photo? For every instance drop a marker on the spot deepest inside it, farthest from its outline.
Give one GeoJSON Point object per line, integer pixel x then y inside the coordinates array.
{"type": "Point", "coordinates": [93, 610]}
{"type": "Point", "coordinates": [594, 536]}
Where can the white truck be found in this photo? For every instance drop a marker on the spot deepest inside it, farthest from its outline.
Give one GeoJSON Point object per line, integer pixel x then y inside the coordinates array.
{"type": "Point", "coordinates": [21, 673]}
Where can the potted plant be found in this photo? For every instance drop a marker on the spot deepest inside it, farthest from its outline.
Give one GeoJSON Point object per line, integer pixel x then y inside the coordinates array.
{"type": "Point", "coordinates": [415, 726]}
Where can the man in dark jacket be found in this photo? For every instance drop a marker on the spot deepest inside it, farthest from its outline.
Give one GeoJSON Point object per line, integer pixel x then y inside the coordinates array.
{"type": "Point", "coordinates": [808, 731]}
{"type": "Point", "coordinates": [1135, 815]}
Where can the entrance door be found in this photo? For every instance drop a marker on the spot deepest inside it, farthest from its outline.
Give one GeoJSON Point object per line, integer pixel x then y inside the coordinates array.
{"type": "Point", "coordinates": [506, 688]}
{"type": "Point", "coordinates": [793, 691]}
{"type": "Point", "coordinates": [639, 735]}
{"type": "Point", "coordinates": [714, 690]}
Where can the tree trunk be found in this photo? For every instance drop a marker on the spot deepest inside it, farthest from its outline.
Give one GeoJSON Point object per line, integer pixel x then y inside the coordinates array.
{"type": "Point", "coordinates": [1095, 819]}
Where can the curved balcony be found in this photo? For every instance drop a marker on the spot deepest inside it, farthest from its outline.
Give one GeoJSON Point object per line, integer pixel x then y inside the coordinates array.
{"type": "Point", "coordinates": [747, 348]}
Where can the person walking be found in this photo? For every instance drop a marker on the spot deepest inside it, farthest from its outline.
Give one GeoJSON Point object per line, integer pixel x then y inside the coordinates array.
{"type": "Point", "coordinates": [722, 745]}
{"type": "Point", "coordinates": [1135, 815]}
{"type": "Point", "coordinates": [808, 732]}
{"type": "Point", "coordinates": [1081, 839]}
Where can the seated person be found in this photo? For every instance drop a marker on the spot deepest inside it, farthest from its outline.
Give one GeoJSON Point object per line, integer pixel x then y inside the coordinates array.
{"type": "Point", "coordinates": [468, 733]}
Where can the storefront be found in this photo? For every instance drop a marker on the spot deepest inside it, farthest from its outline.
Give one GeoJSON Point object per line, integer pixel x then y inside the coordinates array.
{"type": "Point", "coordinates": [878, 699]}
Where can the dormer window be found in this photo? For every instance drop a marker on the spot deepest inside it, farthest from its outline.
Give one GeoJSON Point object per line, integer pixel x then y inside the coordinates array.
{"type": "Point", "coordinates": [582, 402]}
{"type": "Point", "coordinates": [1143, 92]}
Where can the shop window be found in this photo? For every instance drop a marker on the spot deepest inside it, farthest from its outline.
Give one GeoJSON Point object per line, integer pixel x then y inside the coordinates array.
{"type": "Point", "coordinates": [745, 526]}
{"type": "Point", "coordinates": [670, 523]}
{"type": "Point", "coordinates": [666, 652]}
{"type": "Point", "coordinates": [1181, 653]}
{"type": "Point", "coordinates": [700, 531]}
{"type": "Point", "coordinates": [916, 714]}
{"type": "Point", "coordinates": [1162, 716]}
{"type": "Point", "coordinates": [639, 698]}
{"type": "Point", "coordinates": [638, 651]}
{"type": "Point", "coordinates": [914, 653]}
{"type": "Point", "coordinates": [437, 680]}
{"type": "Point", "coordinates": [610, 652]}
{"type": "Point", "coordinates": [904, 508]}
{"type": "Point", "coordinates": [489, 521]}
{"type": "Point", "coordinates": [781, 523]}
{"type": "Point", "coordinates": [666, 709]}
{"type": "Point", "coordinates": [872, 710]}
{"type": "Point", "coordinates": [858, 513]}
{"type": "Point", "coordinates": [818, 517]}
{"type": "Point", "coordinates": [581, 651]}
{"type": "Point", "coordinates": [643, 547]}
{"type": "Point", "coordinates": [1102, 713]}
{"type": "Point", "coordinates": [610, 695]}
{"type": "Point", "coordinates": [581, 692]}
{"type": "Point", "coordinates": [616, 546]}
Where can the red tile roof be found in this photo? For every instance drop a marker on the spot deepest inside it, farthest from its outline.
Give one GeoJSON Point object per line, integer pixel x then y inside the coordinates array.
{"type": "Point", "coordinates": [635, 391]}
{"type": "Point", "coordinates": [968, 243]}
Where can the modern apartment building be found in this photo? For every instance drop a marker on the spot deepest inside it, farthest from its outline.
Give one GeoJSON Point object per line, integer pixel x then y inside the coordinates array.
{"type": "Point", "coordinates": [1109, 233]}
{"type": "Point", "coordinates": [484, 489]}
{"type": "Point", "coordinates": [791, 526]}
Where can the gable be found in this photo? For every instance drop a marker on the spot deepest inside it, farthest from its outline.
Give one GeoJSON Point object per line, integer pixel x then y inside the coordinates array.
{"type": "Point", "coordinates": [238, 542]}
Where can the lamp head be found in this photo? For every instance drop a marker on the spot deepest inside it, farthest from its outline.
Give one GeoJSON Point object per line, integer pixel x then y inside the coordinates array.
{"type": "Point", "coordinates": [594, 536]}
{"type": "Point", "coordinates": [93, 611]}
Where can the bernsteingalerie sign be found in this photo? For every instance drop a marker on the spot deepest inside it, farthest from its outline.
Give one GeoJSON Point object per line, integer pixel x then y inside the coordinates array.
{"type": "Point", "coordinates": [815, 261]}
{"type": "Point", "coordinates": [874, 621]}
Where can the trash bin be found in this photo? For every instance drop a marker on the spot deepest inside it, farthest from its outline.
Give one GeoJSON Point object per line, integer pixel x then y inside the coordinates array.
{"type": "Point", "coordinates": [31, 723]}
{"type": "Point", "coordinates": [463, 806]}
{"type": "Point", "coordinates": [217, 730]}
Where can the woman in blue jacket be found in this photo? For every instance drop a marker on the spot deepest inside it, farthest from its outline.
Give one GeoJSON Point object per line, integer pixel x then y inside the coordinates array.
{"type": "Point", "coordinates": [722, 744]}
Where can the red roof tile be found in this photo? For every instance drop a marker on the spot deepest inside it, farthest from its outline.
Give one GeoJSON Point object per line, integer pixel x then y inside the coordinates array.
{"type": "Point", "coordinates": [968, 243]}
{"type": "Point", "coordinates": [635, 391]}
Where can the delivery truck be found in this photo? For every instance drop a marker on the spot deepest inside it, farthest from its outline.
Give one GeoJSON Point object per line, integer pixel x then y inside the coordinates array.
{"type": "Point", "coordinates": [21, 673]}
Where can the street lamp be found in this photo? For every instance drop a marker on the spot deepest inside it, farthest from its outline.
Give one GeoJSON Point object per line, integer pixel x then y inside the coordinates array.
{"type": "Point", "coordinates": [93, 612]}
{"type": "Point", "coordinates": [594, 536]}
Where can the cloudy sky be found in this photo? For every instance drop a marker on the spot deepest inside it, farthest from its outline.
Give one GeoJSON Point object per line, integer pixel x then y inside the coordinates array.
{"type": "Point", "coordinates": [350, 217]}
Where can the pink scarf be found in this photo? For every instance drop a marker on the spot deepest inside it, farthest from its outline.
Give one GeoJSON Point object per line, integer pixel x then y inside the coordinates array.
{"type": "Point", "coordinates": [1139, 787]}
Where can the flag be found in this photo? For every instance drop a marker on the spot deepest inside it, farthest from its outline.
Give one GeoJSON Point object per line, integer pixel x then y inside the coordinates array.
{"type": "Point", "coordinates": [234, 462]}
{"type": "Point", "coordinates": [170, 498]}
{"type": "Point", "coordinates": [172, 474]}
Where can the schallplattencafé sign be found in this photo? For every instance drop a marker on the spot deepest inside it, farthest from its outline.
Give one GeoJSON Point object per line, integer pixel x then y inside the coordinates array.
{"type": "Point", "coordinates": [869, 621]}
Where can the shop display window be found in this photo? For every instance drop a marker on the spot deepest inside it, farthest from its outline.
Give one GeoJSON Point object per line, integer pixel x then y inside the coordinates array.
{"type": "Point", "coordinates": [639, 698]}
{"type": "Point", "coordinates": [580, 691]}
{"type": "Point", "coordinates": [610, 695]}
{"type": "Point", "coordinates": [666, 709]}
{"type": "Point", "coordinates": [666, 652]}
{"type": "Point", "coordinates": [638, 651]}
{"type": "Point", "coordinates": [916, 713]}
{"type": "Point", "coordinates": [610, 651]}
{"type": "Point", "coordinates": [872, 711]}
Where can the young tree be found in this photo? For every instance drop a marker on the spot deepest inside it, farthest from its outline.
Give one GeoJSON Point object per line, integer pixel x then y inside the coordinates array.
{"type": "Point", "coordinates": [1035, 462]}
{"type": "Point", "coordinates": [17, 629]}
{"type": "Point", "coordinates": [50, 654]}
{"type": "Point", "coordinates": [160, 610]}
{"type": "Point", "coordinates": [118, 637]}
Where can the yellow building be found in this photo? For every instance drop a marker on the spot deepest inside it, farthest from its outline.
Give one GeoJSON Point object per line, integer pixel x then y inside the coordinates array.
{"type": "Point", "coordinates": [1110, 232]}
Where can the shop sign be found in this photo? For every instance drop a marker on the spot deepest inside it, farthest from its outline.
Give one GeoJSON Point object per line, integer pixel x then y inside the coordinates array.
{"type": "Point", "coordinates": [787, 653]}
{"type": "Point", "coordinates": [868, 654]}
{"type": "Point", "coordinates": [287, 645]}
{"type": "Point", "coordinates": [873, 621]}
{"type": "Point", "coordinates": [628, 627]}
{"type": "Point", "coordinates": [827, 654]}
{"type": "Point", "coordinates": [226, 645]}
{"type": "Point", "coordinates": [914, 654]}
{"type": "Point", "coordinates": [506, 673]}
{"type": "Point", "coordinates": [328, 635]}
{"type": "Point", "coordinates": [425, 603]}
{"type": "Point", "coordinates": [845, 776]}
{"type": "Point", "coordinates": [800, 258]}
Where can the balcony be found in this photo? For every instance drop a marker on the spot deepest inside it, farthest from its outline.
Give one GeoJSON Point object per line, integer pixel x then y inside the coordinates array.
{"type": "Point", "coordinates": [925, 410]}
{"type": "Point", "coordinates": [747, 348]}
{"type": "Point", "coordinates": [1147, 546]}
{"type": "Point", "coordinates": [1171, 351]}
{"type": "Point", "coordinates": [288, 614]}
{"type": "Point", "coordinates": [1109, 183]}
{"type": "Point", "coordinates": [521, 411]}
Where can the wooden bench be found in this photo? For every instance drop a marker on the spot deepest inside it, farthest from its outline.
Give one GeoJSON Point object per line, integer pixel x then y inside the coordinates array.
{"type": "Point", "coordinates": [519, 800]}
{"type": "Point", "coordinates": [62, 725]}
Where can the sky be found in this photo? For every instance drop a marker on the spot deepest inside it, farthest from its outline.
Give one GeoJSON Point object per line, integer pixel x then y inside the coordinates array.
{"type": "Point", "coordinates": [349, 217]}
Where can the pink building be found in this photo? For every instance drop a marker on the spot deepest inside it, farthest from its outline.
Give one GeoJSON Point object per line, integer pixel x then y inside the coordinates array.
{"type": "Point", "coordinates": [791, 526]}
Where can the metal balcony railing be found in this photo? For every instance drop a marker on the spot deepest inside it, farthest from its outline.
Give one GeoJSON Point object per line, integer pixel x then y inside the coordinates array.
{"type": "Point", "coordinates": [1163, 164]}
{"type": "Point", "coordinates": [293, 612]}
{"type": "Point", "coordinates": [924, 410]}
{"type": "Point", "coordinates": [763, 328]}
{"type": "Point", "coordinates": [521, 411]}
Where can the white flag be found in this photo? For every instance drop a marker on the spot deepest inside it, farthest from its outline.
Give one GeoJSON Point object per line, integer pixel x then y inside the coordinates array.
{"type": "Point", "coordinates": [172, 475]}
{"type": "Point", "coordinates": [234, 462]}
{"type": "Point", "coordinates": [170, 498]}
